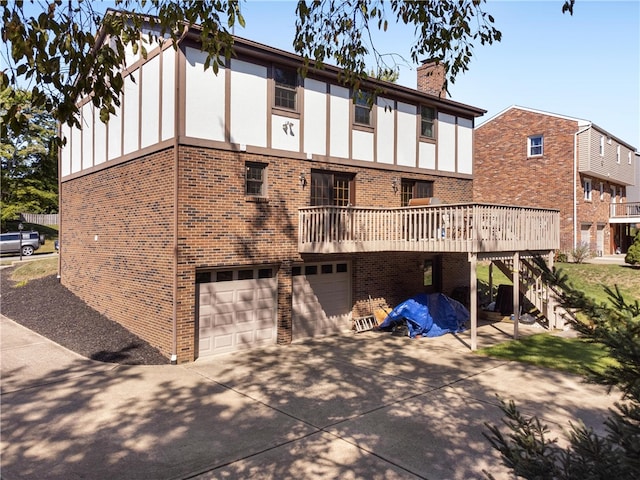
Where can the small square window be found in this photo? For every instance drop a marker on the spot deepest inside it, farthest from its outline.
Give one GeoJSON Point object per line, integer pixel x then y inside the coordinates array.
{"type": "Point", "coordinates": [363, 103]}
{"type": "Point", "coordinates": [245, 275]}
{"type": "Point", "coordinates": [535, 146]}
{"type": "Point", "coordinates": [286, 81]}
{"type": "Point", "coordinates": [255, 179]}
{"type": "Point", "coordinates": [427, 118]}
{"type": "Point", "coordinates": [266, 273]}
{"type": "Point", "coordinates": [341, 267]}
{"type": "Point", "coordinates": [224, 276]}
{"type": "Point", "coordinates": [327, 268]}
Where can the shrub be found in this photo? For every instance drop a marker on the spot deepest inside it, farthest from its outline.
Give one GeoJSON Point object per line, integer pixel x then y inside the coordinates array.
{"type": "Point", "coordinates": [633, 253]}
{"type": "Point", "coordinates": [581, 253]}
{"type": "Point", "coordinates": [529, 452]}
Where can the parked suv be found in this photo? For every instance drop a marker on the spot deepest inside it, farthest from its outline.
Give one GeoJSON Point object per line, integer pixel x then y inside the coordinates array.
{"type": "Point", "coordinates": [10, 242]}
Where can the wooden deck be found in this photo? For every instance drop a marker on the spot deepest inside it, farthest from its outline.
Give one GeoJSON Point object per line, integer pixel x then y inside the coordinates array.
{"type": "Point", "coordinates": [473, 228]}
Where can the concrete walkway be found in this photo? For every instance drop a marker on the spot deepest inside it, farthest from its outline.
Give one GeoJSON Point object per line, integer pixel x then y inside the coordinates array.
{"type": "Point", "coordinates": [366, 406]}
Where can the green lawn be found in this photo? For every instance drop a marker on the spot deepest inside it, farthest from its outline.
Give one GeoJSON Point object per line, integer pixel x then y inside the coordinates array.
{"type": "Point", "coordinates": [572, 355]}
{"type": "Point", "coordinates": [589, 278]}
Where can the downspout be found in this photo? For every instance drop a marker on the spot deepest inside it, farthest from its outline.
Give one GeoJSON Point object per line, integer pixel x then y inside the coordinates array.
{"type": "Point", "coordinates": [575, 186]}
{"type": "Point", "coordinates": [176, 159]}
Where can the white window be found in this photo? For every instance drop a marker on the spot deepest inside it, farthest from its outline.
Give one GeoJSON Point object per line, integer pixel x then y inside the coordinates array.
{"type": "Point", "coordinates": [586, 184]}
{"type": "Point", "coordinates": [629, 157]}
{"type": "Point", "coordinates": [601, 191]}
{"type": "Point", "coordinates": [602, 145]}
{"type": "Point", "coordinates": [618, 154]}
{"type": "Point", "coordinates": [535, 145]}
{"type": "Point", "coordinates": [613, 194]}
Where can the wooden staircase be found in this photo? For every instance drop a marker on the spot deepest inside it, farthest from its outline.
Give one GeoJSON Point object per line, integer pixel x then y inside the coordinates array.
{"type": "Point", "coordinates": [542, 296]}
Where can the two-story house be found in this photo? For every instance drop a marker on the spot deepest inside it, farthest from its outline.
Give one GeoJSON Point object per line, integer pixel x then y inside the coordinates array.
{"type": "Point", "coordinates": [216, 212]}
{"type": "Point", "coordinates": [530, 157]}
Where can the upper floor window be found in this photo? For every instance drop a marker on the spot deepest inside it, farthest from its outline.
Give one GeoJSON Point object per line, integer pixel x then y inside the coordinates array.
{"type": "Point", "coordinates": [586, 184]}
{"type": "Point", "coordinates": [362, 110]}
{"type": "Point", "coordinates": [629, 157]}
{"type": "Point", "coordinates": [286, 81]}
{"type": "Point", "coordinates": [427, 119]}
{"type": "Point", "coordinates": [618, 154]}
{"type": "Point", "coordinates": [255, 177]}
{"type": "Point", "coordinates": [332, 188]}
{"type": "Point", "coordinates": [415, 189]}
{"type": "Point", "coordinates": [613, 194]}
{"type": "Point", "coordinates": [601, 191]}
{"type": "Point", "coordinates": [535, 145]}
{"type": "Point", "coordinates": [602, 145]}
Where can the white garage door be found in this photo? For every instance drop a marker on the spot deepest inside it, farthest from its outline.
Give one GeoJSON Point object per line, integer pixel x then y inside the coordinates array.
{"type": "Point", "coordinates": [321, 299]}
{"type": "Point", "coordinates": [236, 311]}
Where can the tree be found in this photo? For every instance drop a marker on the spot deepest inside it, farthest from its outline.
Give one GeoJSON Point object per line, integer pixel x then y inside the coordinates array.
{"type": "Point", "coordinates": [60, 47]}
{"type": "Point", "coordinates": [28, 158]}
{"type": "Point", "coordinates": [528, 450]}
{"type": "Point", "coordinates": [633, 253]}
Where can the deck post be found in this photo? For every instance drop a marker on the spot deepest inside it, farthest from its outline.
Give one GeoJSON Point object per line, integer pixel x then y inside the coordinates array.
{"type": "Point", "coordinates": [473, 300]}
{"type": "Point", "coordinates": [516, 293]}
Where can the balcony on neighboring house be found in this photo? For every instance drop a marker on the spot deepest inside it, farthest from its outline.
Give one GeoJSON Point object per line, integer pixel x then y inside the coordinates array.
{"type": "Point", "coordinates": [473, 228]}
{"type": "Point", "coordinates": [628, 212]}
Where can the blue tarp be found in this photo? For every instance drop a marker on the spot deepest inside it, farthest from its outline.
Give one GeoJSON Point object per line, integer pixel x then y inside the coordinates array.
{"type": "Point", "coordinates": [428, 315]}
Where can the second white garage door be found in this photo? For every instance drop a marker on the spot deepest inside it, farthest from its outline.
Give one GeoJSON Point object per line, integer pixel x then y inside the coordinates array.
{"type": "Point", "coordinates": [321, 299]}
{"type": "Point", "coordinates": [235, 314]}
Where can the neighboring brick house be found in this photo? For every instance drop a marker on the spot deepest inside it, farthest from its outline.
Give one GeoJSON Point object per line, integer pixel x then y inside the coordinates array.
{"type": "Point", "coordinates": [187, 217]}
{"type": "Point", "coordinates": [534, 158]}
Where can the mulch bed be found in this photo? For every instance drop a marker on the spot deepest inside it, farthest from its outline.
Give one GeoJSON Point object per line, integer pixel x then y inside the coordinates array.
{"type": "Point", "coordinates": [46, 307]}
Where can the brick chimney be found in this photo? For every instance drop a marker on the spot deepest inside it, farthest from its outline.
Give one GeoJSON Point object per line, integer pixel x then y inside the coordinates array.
{"type": "Point", "coordinates": [431, 78]}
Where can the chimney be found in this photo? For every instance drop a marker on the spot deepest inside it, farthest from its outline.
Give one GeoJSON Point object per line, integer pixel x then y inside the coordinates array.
{"type": "Point", "coordinates": [431, 78]}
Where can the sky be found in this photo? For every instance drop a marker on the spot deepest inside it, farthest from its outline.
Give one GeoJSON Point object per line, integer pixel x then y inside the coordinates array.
{"type": "Point", "coordinates": [585, 66]}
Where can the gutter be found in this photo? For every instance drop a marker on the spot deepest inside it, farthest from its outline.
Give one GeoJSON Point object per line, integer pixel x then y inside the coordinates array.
{"type": "Point", "coordinates": [176, 159]}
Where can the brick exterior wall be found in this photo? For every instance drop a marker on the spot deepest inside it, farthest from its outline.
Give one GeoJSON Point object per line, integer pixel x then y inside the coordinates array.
{"type": "Point", "coordinates": [117, 244]}
{"type": "Point", "coordinates": [504, 174]}
{"type": "Point", "coordinates": [430, 79]}
{"type": "Point", "coordinates": [128, 273]}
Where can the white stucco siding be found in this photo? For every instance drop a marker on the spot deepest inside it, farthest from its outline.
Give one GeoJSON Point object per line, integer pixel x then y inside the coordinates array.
{"type": "Point", "coordinates": [315, 117]}
{"type": "Point", "coordinates": [427, 155]}
{"type": "Point", "coordinates": [465, 145]}
{"type": "Point", "coordinates": [339, 122]}
{"type": "Point", "coordinates": [248, 104]}
{"type": "Point", "coordinates": [446, 142]}
{"type": "Point", "coordinates": [114, 127]}
{"type": "Point", "coordinates": [76, 150]}
{"type": "Point", "coordinates": [87, 135]}
{"type": "Point", "coordinates": [407, 133]}
{"type": "Point", "coordinates": [285, 133]}
{"type": "Point", "coordinates": [385, 139]}
{"type": "Point", "coordinates": [363, 145]}
{"type": "Point", "coordinates": [131, 109]}
{"type": "Point", "coordinates": [99, 139]}
{"type": "Point", "coordinates": [150, 102]}
{"type": "Point", "coordinates": [204, 98]}
{"type": "Point", "coordinates": [168, 93]}
{"type": "Point", "coordinates": [65, 154]}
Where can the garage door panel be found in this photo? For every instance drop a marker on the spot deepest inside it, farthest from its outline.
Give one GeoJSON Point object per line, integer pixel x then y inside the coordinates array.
{"type": "Point", "coordinates": [234, 315]}
{"type": "Point", "coordinates": [221, 320]}
{"type": "Point", "coordinates": [244, 317]}
{"type": "Point", "coordinates": [321, 303]}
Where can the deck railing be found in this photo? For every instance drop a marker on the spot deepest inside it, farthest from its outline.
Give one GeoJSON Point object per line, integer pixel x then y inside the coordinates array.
{"type": "Point", "coordinates": [625, 210]}
{"type": "Point", "coordinates": [442, 228]}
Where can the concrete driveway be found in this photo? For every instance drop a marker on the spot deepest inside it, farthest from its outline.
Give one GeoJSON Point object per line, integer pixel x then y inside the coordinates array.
{"type": "Point", "coordinates": [357, 406]}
